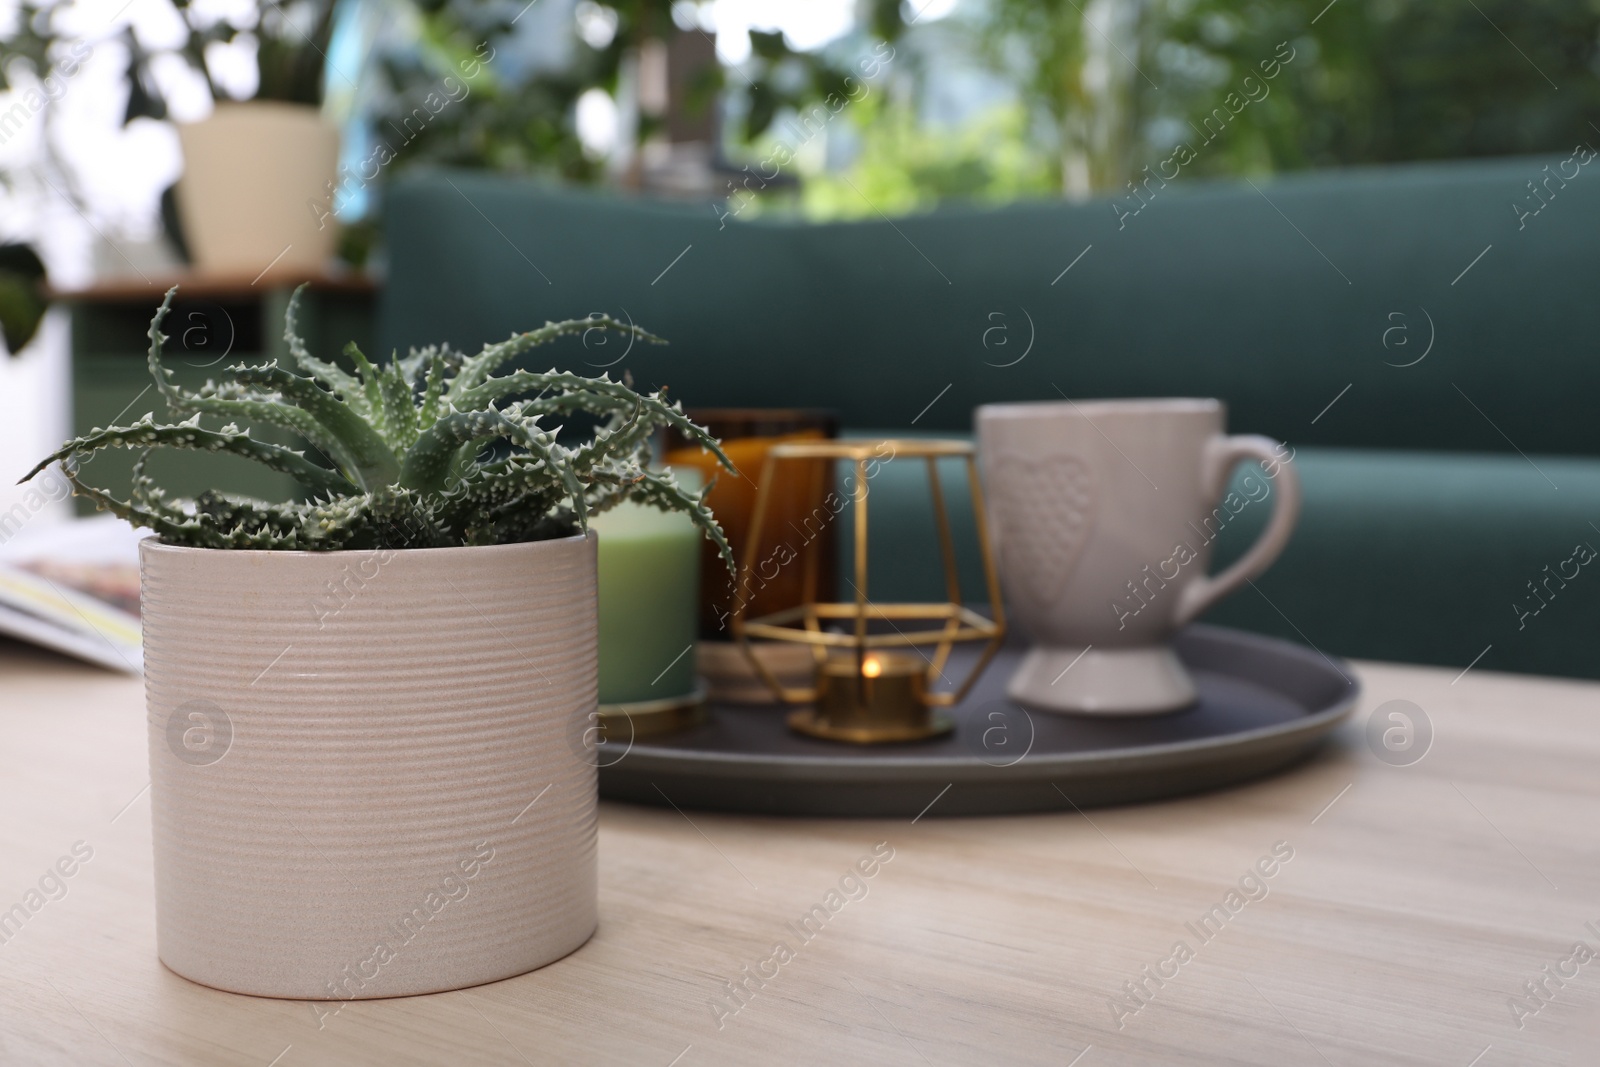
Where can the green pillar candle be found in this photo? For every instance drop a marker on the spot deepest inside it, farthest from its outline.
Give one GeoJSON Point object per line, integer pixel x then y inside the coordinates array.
{"type": "Point", "coordinates": [649, 602]}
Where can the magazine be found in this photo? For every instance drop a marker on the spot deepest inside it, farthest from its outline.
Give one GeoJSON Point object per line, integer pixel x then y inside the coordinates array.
{"type": "Point", "coordinates": [74, 587]}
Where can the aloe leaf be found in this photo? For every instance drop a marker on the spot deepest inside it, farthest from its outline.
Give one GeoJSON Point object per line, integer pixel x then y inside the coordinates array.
{"type": "Point", "coordinates": [396, 400]}
{"type": "Point", "coordinates": [428, 464]}
{"type": "Point", "coordinates": [169, 526]}
{"type": "Point", "coordinates": [661, 490]}
{"type": "Point", "coordinates": [371, 393]}
{"type": "Point", "coordinates": [191, 436]}
{"type": "Point", "coordinates": [356, 445]}
{"type": "Point", "coordinates": [619, 441]}
{"type": "Point", "coordinates": [593, 395]}
{"type": "Point", "coordinates": [272, 412]}
{"type": "Point", "coordinates": [507, 501]}
{"type": "Point", "coordinates": [475, 370]}
{"type": "Point", "coordinates": [330, 374]}
{"type": "Point", "coordinates": [432, 404]}
{"type": "Point", "coordinates": [249, 515]}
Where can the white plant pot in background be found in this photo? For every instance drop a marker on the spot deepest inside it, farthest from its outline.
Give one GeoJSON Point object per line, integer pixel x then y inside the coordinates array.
{"type": "Point", "coordinates": [368, 770]}
{"type": "Point", "coordinates": [251, 173]}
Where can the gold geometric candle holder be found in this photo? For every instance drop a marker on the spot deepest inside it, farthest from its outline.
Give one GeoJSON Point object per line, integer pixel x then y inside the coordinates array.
{"type": "Point", "coordinates": [870, 685]}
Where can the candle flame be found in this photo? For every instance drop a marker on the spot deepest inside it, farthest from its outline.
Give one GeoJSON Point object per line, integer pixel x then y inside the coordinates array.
{"type": "Point", "coordinates": [871, 667]}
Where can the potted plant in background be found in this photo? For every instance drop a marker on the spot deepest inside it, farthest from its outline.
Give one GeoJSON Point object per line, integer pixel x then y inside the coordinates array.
{"type": "Point", "coordinates": [251, 167]}
{"type": "Point", "coordinates": [368, 709]}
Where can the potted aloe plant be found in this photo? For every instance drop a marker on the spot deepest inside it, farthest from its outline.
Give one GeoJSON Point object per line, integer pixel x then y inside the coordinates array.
{"type": "Point", "coordinates": [368, 709]}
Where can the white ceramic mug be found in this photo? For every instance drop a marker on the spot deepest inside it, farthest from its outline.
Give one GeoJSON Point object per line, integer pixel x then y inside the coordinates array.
{"type": "Point", "coordinates": [1104, 512]}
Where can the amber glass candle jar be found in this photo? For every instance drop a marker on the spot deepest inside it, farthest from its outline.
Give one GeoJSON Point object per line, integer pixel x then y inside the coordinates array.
{"type": "Point", "coordinates": [798, 509]}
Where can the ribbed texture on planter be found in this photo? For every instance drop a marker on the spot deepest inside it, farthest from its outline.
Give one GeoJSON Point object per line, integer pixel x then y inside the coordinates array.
{"type": "Point", "coordinates": [344, 747]}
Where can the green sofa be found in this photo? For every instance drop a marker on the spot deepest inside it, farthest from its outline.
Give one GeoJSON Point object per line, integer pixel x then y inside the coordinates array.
{"type": "Point", "coordinates": [1420, 337]}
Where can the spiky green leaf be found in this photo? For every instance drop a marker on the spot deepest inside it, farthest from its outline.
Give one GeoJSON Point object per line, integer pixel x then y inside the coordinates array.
{"type": "Point", "coordinates": [190, 436]}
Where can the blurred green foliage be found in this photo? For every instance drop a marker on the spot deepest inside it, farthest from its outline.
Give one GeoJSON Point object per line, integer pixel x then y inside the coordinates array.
{"type": "Point", "coordinates": [22, 300]}
{"type": "Point", "coordinates": [527, 127]}
{"type": "Point", "coordinates": [291, 47]}
{"type": "Point", "coordinates": [905, 167]}
{"type": "Point", "coordinates": [1370, 81]}
{"type": "Point", "coordinates": [1381, 81]}
{"type": "Point", "coordinates": [1103, 87]}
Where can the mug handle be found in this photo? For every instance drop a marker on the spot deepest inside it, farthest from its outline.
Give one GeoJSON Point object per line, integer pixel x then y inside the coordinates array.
{"type": "Point", "coordinates": [1220, 456]}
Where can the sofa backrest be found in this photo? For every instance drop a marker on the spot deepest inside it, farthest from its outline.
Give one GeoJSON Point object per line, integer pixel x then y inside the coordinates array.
{"type": "Point", "coordinates": [1281, 297]}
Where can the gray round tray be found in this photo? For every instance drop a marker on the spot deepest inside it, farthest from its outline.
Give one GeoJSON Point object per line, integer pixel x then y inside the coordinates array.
{"type": "Point", "coordinates": [1264, 704]}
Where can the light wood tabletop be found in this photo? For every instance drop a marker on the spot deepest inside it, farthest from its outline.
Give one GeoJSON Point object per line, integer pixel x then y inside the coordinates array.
{"type": "Point", "coordinates": [1381, 914]}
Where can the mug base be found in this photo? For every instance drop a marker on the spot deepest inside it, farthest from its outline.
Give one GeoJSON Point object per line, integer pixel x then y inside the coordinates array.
{"type": "Point", "coordinates": [1114, 681]}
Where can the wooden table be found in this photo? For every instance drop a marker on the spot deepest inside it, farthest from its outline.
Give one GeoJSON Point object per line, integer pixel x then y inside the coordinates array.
{"type": "Point", "coordinates": [1418, 900]}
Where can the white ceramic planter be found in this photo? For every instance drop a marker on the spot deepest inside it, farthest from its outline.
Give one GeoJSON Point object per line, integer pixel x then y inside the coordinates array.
{"type": "Point", "coordinates": [368, 770]}
{"type": "Point", "coordinates": [252, 174]}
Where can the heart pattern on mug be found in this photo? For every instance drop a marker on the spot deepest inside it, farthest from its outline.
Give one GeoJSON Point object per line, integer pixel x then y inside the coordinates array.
{"type": "Point", "coordinates": [1044, 506]}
